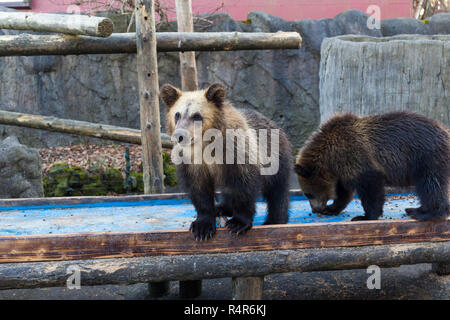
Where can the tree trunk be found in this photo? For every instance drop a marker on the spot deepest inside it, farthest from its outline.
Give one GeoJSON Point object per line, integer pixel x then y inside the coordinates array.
{"type": "Point", "coordinates": [365, 75]}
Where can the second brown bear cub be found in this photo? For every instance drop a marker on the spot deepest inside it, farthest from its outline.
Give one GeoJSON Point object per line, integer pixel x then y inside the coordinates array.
{"type": "Point", "coordinates": [364, 154]}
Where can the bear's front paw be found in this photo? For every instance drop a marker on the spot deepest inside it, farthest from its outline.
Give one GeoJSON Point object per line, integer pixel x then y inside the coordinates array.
{"type": "Point", "coordinates": [238, 225]}
{"type": "Point", "coordinates": [203, 229]}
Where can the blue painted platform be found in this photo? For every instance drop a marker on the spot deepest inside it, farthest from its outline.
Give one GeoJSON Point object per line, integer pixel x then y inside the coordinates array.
{"type": "Point", "coordinates": [157, 215]}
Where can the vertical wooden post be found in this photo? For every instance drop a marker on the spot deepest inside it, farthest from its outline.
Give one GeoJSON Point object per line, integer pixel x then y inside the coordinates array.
{"type": "Point", "coordinates": [247, 288]}
{"type": "Point", "coordinates": [188, 70]}
{"type": "Point", "coordinates": [147, 70]}
{"type": "Point", "coordinates": [188, 65]}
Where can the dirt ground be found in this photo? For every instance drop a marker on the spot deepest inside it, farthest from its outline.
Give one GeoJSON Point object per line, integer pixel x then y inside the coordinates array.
{"type": "Point", "coordinates": [403, 283]}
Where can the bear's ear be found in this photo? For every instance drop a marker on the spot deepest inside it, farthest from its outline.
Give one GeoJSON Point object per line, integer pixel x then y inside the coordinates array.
{"type": "Point", "coordinates": [216, 94]}
{"type": "Point", "coordinates": [169, 94]}
{"type": "Point", "coordinates": [304, 171]}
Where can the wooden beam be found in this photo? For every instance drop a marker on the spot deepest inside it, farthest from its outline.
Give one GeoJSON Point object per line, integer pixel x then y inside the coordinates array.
{"type": "Point", "coordinates": [247, 288]}
{"type": "Point", "coordinates": [147, 70]}
{"type": "Point", "coordinates": [26, 248]}
{"type": "Point", "coordinates": [188, 67]}
{"type": "Point", "coordinates": [102, 131]}
{"type": "Point", "coordinates": [219, 265]}
{"type": "Point", "coordinates": [60, 23]}
{"type": "Point", "coordinates": [35, 45]}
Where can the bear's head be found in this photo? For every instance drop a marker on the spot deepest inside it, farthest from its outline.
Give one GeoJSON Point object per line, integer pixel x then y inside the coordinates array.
{"type": "Point", "coordinates": [317, 186]}
{"type": "Point", "coordinates": [189, 110]}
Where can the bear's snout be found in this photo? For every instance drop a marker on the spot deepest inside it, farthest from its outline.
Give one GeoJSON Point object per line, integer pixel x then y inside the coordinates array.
{"type": "Point", "coordinates": [182, 137]}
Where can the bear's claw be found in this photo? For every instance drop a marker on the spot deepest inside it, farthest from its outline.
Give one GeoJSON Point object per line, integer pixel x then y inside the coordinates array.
{"type": "Point", "coordinates": [203, 229]}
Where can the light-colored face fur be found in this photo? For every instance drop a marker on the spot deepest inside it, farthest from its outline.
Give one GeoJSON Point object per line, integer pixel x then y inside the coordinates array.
{"type": "Point", "coordinates": [184, 109]}
{"type": "Point", "coordinates": [315, 186]}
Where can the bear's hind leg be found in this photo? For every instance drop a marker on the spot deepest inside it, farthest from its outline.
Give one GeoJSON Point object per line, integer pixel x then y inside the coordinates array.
{"type": "Point", "coordinates": [277, 197]}
{"type": "Point", "coordinates": [370, 188]}
{"type": "Point", "coordinates": [243, 211]}
{"type": "Point", "coordinates": [432, 191]}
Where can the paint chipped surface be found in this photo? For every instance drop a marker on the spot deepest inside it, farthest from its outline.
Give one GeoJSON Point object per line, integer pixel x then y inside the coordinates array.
{"type": "Point", "coordinates": [157, 215]}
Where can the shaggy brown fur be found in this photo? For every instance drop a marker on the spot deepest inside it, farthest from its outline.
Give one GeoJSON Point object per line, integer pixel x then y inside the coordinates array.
{"type": "Point", "coordinates": [363, 154]}
{"type": "Point", "coordinates": [240, 184]}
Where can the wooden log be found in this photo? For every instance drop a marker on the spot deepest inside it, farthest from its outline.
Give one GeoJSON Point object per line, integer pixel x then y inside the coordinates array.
{"type": "Point", "coordinates": [188, 67]}
{"type": "Point", "coordinates": [46, 247]}
{"type": "Point", "coordinates": [247, 288]}
{"type": "Point", "coordinates": [147, 70]}
{"type": "Point", "coordinates": [60, 23]}
{"type": "Point", "coordinates": [102, 131]}
{"type": "Point", "coordinates": [32, 45]}
{"type": "Point", "coordinates": [219, 265]}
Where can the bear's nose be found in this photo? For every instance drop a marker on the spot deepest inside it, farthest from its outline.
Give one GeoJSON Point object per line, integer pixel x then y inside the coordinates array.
{"type": "Point", "coordinates": [181, 136]}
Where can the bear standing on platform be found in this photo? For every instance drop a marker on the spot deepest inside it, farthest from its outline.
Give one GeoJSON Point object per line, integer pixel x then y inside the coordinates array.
{"type": "Point", "coordinates": [240, 179]}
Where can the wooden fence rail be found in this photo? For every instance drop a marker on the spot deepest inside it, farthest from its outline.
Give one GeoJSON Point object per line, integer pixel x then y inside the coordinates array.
{"type": "Point", "coordinates": [102, 131]}
{"type": "Point", "coordinates": [31, 45]}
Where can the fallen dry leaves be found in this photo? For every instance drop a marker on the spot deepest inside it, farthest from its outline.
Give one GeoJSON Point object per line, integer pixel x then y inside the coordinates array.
{"type": "Point", "coordinates": [91, 155]}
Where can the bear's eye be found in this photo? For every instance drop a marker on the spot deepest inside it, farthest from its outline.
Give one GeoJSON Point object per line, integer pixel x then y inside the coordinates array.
{"type": "Point", "coordinates": [177, 116]}
{"type": "Point", "coordinates": [309, 195]}
{"type": "Point", "coordinates": [197, 117]}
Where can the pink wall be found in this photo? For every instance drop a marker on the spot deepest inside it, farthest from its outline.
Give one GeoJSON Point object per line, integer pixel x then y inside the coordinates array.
{"type": "Point", "coordinates": [287, 9]}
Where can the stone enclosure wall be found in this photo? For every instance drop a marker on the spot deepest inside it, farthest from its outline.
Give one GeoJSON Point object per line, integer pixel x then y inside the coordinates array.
{"type": "Point", "coordinates": [283, 84]}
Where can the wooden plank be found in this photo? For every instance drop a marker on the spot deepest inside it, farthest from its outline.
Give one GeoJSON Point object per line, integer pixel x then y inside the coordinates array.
{"type": "Point", "coordinates": [61, 23]}
{"type": "Point", "coordinates": [180, 242]}
{"type": "Point", "coordinates": [97, 130]}
{"type": "Point", "coordinates": [67, 201]}
{"type": "Point", "coordinates": [219, 265]}
{"type": "Point", "coordinates": [24, 202]}
{"type": "Point", "coordinates": [32, 45]}
{"type": "Point", "coordinates": [147, 69]}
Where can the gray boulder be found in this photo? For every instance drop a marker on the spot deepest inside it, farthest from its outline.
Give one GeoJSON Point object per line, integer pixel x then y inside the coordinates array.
{"type": "Point", "coordinates": [20, 170]}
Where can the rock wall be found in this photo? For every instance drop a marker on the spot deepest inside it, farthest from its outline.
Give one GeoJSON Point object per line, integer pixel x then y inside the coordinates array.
{"type": "Point", "coordinates": [283, 84]}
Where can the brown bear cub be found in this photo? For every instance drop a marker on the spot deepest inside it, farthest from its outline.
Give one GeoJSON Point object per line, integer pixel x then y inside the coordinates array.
{"type": "Point", "coordinates": [363, 154]}
{"type": "Point", "coordinates": [239, 181]}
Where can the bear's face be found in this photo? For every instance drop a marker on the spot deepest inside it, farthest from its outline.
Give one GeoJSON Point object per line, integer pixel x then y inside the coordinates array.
{"type": "Point", "coordinates": [190, 112]}
{"type": "Point", "coordinates": [317, 188]}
